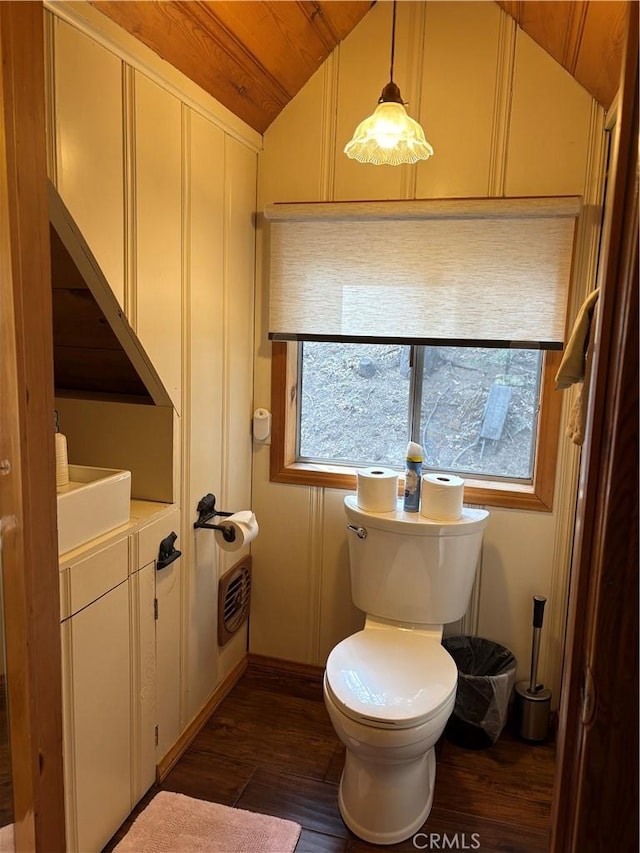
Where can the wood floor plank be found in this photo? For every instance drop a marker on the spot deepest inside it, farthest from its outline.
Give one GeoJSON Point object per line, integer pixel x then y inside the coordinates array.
{"type": "Point", "coordinates": [311, 803]}
{"type": "Point", "coordinates": [205, 776]}
{"type": "Point", "coordinates": [318, 842]}
{"type": "Point", "coordinates": [288, 733]}
{"type": "Point", "coordinates": [469, 792]}
{"type": "Point", "coordinates": [509, 756]}
{"type": "Point", "coordinates": [260, 677]}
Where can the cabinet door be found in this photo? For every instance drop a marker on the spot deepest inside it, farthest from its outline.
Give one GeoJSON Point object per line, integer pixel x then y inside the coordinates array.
{"type": "Point", "coordinates": [88, 145]}
{"type": "Point", "coordinates": [168, 656]}
{"type": "Point", "coordinates": [143, 591]}
{"type": "Point", "coordinates": [99, 705]}
{"type": "Point", "coordinates": [168, 628]}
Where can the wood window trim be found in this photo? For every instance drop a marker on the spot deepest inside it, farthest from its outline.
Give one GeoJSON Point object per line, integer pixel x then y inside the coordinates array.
{"type": "Point", "coordinates": [285, 469]}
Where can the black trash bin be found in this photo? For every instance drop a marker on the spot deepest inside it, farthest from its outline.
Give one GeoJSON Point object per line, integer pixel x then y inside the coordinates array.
{"type": "Point", "coordinates": [486, 675]}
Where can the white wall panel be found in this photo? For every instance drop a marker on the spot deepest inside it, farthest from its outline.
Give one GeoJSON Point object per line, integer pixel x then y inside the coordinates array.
{"type": "Point", "coordinates": [300, 124]}
{"type": "Point", "coordinates": [205, 440]}
{"type": "Point", "coordinates": [339, 616]}
{"type": "Point", "coordinates": [158, 234]}
{"type": "Point", "coordinates": [282, 582]}
{"type": "Point", "coordinates": [517, 562]}
{"type": "Point", "coordinates": [239, 299]}
{"type": "Point", "coordinates": [458, 93]}
{"type": "Point", "coordinates": [238, 319]}
{"type": "Point", "coordinates": [88, 124]}
{"type": "Point", "coordinates": [550, 121]}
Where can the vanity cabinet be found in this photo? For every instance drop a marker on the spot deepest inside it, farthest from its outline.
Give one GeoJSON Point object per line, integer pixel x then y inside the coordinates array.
{"type": "Point", "coordinates": [97, 699]}
{"type": "Point", "coordinates": [120, 624]}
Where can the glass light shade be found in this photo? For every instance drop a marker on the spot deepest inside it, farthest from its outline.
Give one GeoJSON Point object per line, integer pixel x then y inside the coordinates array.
{"type": "Point", "coordinates": [388, 137]}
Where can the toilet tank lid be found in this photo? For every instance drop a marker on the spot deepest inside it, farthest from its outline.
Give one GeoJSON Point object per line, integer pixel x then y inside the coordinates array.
{"type": "Point", "coordinates": [415, 524]}
{"type": "Point", "coordinates": [392, 677]}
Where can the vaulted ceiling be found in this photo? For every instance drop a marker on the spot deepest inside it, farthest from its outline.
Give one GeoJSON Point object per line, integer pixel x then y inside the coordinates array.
{"type": "Point", "coordinates": [585, 37]}
{"type": "Point", "coordinates": [254, 56]}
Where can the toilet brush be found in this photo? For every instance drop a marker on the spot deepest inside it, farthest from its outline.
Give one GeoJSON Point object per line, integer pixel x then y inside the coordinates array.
{"type": "Point", "coordinates": [533, 701]}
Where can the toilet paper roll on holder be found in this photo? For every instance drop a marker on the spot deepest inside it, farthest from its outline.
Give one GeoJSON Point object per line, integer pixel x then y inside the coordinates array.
{"type": "Point", "coordinates": [206, 510]}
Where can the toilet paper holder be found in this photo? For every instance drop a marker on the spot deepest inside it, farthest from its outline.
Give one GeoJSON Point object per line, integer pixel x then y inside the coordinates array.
{"type": "Point", "coordinates": [206, 510]}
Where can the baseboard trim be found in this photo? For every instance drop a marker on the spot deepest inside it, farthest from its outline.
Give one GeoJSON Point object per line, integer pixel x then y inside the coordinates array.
{"type": "Point", "coordinates": [309, 670]}
{"type": "Point", "coordinates": [187, 736]}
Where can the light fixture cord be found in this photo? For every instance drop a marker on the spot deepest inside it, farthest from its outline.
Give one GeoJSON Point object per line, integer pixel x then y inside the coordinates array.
{"type": "Point", "coordinates": [393, 40]}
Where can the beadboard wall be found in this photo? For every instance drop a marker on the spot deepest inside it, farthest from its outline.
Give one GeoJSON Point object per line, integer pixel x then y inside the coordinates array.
{"type": "Point", "coordinates": [161, 180]}
{"type": "Point", "coordinates": [504, 119]}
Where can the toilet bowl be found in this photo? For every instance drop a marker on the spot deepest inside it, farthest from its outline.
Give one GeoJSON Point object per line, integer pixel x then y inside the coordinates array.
{"type": "Point", "coordinates": [389, 692]}
{"type": "Point", "coordinates": [390, 688]}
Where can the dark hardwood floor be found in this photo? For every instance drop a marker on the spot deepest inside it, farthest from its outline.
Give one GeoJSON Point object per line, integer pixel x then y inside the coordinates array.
{"type": "Point", "coordinates": [270, 748]}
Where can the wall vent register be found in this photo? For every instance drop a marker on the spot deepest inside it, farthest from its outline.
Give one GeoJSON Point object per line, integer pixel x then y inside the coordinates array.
{"type": "Point", "coordinates": [234, 599]}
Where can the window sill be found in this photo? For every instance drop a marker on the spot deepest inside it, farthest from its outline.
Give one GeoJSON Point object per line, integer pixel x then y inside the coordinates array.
{"type": "Point", "coordinates": [476, 492]}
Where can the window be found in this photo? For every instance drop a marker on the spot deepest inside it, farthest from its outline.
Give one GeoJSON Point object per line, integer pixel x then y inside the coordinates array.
{"type": "Point", "coordinates": [488, 414]}
{"type": "Point", "coordinates": [472, 293]}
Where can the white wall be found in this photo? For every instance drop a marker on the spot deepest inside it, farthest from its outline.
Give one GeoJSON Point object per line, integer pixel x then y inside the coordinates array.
{"type": "Point", "coordinates": [504, 119]}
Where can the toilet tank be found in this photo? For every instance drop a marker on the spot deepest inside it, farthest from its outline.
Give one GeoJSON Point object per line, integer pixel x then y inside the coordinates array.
{"type": "Point", "coordinates": [408, 568]}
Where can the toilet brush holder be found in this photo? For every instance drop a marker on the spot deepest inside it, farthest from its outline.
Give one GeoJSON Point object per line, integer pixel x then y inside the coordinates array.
{"type": "Point", "coordinates": [532, 700]}
{"type": "Point", "coordinates": [532, 712]}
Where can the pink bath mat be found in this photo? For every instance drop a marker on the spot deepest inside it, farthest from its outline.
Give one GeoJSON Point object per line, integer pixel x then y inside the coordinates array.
{"type": "Point", "coordinates": [173, 823]}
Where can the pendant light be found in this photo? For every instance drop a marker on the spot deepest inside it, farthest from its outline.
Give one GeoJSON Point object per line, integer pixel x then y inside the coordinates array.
{"type": "Point", "coordinates": [389, 136]}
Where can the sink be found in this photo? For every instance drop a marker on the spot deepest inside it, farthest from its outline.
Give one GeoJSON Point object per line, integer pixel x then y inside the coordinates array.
{"type": "Point", "coordinates": [96, 501]}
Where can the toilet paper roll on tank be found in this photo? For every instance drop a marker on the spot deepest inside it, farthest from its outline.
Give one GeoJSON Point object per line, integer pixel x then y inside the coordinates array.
{"type": "Point", "coordinates": [442, 497]}
{"type": "Point", "coordinates": [377, 489]}
{"type": "Point", "coordinates": [245, 527]}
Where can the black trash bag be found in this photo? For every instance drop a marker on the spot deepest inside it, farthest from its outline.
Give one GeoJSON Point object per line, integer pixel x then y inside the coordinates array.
{"type": "Point", "coordinates": [486, 675]}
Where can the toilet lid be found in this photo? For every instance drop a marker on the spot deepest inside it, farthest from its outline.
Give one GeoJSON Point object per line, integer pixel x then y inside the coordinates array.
{"type": "Point", "coordinates": [392, 677]}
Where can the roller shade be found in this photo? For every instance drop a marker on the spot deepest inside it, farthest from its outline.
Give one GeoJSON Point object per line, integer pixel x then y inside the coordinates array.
{"type": "Point", "coordinates": [492, 272]}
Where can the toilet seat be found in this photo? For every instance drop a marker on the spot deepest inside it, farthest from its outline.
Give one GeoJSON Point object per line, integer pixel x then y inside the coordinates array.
{"type": "Point", "coordinates": [390, 678]}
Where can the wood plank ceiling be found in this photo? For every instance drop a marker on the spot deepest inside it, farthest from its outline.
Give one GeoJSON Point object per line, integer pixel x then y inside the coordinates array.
{"type": "Point", "coordinates": [254, 56]}
{"type": "Point", "coordinates": [585, 37]}
{"type": "Point", "coordinates": [251, 56]}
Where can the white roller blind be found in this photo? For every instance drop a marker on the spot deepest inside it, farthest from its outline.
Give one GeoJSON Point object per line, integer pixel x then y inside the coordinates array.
{"type": "Point", "coordinates": [490, 271]}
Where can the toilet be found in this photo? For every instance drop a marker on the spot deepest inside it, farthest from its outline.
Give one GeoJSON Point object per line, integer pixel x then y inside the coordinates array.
{"type": "Point", "coordinates": [390, 688]}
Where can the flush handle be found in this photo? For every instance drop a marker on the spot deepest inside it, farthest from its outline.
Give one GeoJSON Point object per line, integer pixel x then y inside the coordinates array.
{"type": "Point", "coordinates": [360, 532]}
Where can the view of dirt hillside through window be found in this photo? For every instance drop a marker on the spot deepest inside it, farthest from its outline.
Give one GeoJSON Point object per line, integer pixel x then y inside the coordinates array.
{"type": "Point", "coordinates": [477, 415]}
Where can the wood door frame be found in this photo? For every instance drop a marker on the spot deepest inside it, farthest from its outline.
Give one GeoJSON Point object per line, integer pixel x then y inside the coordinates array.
{"type": "Point", "coordinates": [596, 792]}
{"type": "Point", "coordinates": [27, 481]}
{"type": "Point", "coordinates": [30, 553]}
